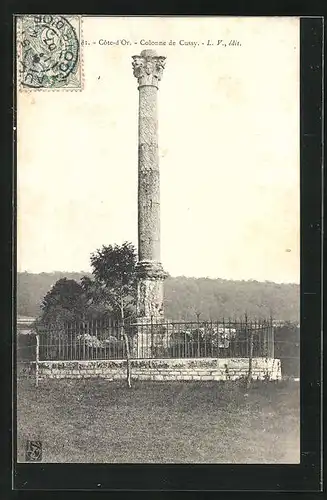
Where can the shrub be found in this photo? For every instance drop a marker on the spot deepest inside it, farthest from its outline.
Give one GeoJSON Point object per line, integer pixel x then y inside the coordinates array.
{"type": "Point", "coordinates": [287, 348]}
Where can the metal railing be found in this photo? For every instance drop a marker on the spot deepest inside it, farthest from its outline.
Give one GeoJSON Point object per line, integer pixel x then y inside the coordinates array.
{"type": "Point", "coordinates": [103, 339]}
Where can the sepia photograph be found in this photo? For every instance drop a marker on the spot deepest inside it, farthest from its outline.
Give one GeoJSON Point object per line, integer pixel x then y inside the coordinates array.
{"type": "Point", "coordinates": [158, 239]}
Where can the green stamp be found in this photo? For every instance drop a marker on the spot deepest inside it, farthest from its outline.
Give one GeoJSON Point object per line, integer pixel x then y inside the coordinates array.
{"type": "Point", "coordinates": [49, 52]}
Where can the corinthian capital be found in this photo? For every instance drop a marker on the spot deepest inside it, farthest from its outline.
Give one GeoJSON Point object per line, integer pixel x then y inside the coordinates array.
{"type": "Point", "coordinates": [148, 67]}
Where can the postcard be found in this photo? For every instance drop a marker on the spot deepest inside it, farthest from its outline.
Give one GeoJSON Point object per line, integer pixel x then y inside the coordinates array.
{"type": "Point", "coordinates": [158, 239]}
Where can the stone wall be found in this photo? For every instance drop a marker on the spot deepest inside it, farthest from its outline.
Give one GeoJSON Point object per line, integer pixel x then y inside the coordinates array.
{"type": "Point", "coordinates": [164, 369]}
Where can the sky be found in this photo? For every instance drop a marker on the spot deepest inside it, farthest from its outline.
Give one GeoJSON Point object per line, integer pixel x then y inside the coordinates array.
{"type": "Point", "coordinates": [228, 147]}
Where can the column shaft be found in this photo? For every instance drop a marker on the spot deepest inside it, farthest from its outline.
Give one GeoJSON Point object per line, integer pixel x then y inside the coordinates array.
{"type": "Point", "coordinates": [148, 177]}
{"type": "Point", "coordinates": [148, 68]}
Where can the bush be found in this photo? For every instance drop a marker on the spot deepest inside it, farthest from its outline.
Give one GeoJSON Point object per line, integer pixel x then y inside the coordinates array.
{"type": "Point", "coordinates": [287, 348]}
{"type": "Point", "coordinates": [26, 347]}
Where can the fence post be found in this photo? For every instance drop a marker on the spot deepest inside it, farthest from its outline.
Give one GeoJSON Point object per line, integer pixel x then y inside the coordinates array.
{"type": "Point", "coordinates": [152, 340]}
{"type": "Point", "coordinates": [198, 325]}
{"type": "Point", "coordinates": [128, 358]}
{"type": "Point", "coordinates": [272, 339]}
{"type": "Point", "coordinates": [249, 378]}
{"type": "Point", "coordinates": [37, 359]}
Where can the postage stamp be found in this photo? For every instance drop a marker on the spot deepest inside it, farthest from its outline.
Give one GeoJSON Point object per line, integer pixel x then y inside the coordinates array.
{"type": "Point", "coordinates": [48, 52]}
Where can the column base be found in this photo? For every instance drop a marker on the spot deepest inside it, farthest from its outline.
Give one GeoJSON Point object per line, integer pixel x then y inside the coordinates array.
{"type": "Point", "coordinates": [150, 291]}
{"type": "Point", "coordinates": [150, 309]}
{"type": "Point", "coordinates": [150, 269]}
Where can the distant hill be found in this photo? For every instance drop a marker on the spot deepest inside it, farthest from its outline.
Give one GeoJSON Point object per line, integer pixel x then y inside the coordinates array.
{"type": "Point", "coordinates": [185, 297]}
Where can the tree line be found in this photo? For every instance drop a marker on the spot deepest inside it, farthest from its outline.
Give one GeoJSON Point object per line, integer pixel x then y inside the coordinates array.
{"type": "Point", "coordinates": [111, 287]}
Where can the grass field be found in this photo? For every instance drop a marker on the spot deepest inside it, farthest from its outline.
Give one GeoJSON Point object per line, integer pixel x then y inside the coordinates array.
{"type": "Point", "coordinates": [154, 422]}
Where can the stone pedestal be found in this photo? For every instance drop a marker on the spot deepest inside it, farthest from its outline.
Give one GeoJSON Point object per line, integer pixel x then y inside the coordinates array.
{"type": "Point", "coordinates": [150, 292]}
{"type": "Point", "coordinates": [148, 68]}
{"type": "Point", "coordinates": [151, 340]}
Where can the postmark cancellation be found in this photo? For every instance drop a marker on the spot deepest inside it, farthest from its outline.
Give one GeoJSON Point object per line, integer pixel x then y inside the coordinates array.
{"type": "Point", "coordinates": [48, 52]}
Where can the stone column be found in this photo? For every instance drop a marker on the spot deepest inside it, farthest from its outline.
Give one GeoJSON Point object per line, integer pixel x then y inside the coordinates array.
{"type": "Point", "coordinates": [148, 68]}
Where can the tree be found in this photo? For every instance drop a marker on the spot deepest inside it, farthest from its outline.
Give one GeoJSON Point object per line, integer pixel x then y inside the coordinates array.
{"type": "Point", "coordinates": [113, 268]}
{"type": "Point", "coordinates": [115, 283]}
{"type": "Point", "coordinates": [96, 299]}
{"type": "Point", "coordinates": [65, 301]}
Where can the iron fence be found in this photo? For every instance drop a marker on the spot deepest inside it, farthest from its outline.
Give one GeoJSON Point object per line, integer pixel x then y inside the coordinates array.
{"type": "Point", "coordinates": [100, 340]}
{"type": "Point", "coordinates": [106, 339]}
